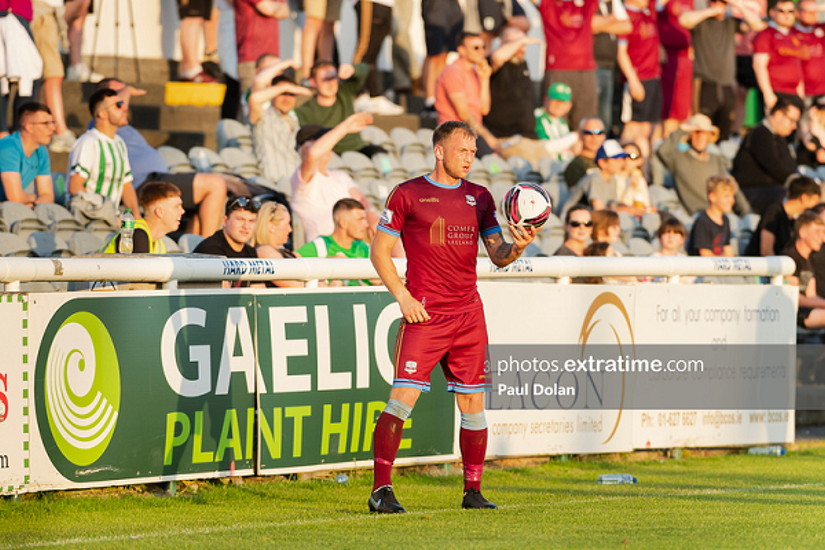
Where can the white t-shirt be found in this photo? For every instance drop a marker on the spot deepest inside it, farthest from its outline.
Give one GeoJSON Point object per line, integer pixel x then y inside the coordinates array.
{"type": "Point", "coordinates": [103, 162]}
{"type": "Point", "coordinates": [312, 201]}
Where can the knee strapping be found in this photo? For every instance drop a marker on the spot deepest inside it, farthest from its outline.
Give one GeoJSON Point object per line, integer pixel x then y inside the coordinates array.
{"type": "Point", "coordinates": [399, 409]}
{"type": "Point", "coordinates": [476, 421]}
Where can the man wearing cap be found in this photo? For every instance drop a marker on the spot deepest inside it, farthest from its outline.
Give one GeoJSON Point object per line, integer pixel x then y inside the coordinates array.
{"type": "Point", "coordinates": [592, 136]}
{"type": "Point", "coordinates": [511, 118]}
{"type": "Point", "coordinates": [598, 188]}
{"type": "Point", "coordinates": [315, 188]}
{"type": "Point", "coordinates": [551, 126]}
{"type": "Point", "coordinates": [685, 154]}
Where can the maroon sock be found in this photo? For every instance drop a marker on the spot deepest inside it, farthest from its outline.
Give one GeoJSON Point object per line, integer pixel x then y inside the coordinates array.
{"type": "Point", "coordinates": [385, 441]}
{"type": "Point", "coordinates": [473, 444]}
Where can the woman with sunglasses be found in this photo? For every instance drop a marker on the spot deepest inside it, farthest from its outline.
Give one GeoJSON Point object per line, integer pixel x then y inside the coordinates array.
{"type": "Point", "coordinates": [632, 191]}
{"type": "Point", "coordinates": [578, 226]}
{"type": "Point", "coordinates": [272, 230]}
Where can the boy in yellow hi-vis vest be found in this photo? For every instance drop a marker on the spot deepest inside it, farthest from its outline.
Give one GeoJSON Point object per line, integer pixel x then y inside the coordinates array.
{"type": "Point", "coordinates": [162, 210]}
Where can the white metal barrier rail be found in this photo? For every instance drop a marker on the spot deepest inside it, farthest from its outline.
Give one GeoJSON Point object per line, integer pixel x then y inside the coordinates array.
{"type": "Point", "coordinates": [171, 268]}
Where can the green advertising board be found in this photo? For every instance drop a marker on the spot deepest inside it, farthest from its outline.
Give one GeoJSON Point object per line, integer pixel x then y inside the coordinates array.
{"type": "Point", "coordinates": [163, 385]}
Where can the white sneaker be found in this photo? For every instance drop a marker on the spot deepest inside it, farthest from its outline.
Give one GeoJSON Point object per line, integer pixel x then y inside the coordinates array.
{"type": "Point", "coordinates": [382, 106]}
{"type": "Point", "coordinates": [62, 143]}
{"type": "Point", "coordinates": [362, 104]}
{"type": "Point", "coordinates": [82, 73]}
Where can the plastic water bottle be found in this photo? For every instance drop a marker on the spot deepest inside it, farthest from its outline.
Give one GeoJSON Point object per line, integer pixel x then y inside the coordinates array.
{"type": "Point", "coordinates": [616, 479]}
{"type": "Point", "coordinates": [127, 230]}
{"type": "Point", "coordinates": [773, 450]}
{"type": "Point", "coordinates": [341, 479]}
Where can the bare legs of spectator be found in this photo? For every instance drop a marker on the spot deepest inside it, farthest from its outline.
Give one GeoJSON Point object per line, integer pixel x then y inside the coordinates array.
{"type": "Point", "coordinates": [76, 12]}
{"type": "Point", "coordinates": [190, 27]}
{"type": "Point", "coordinates": [210, 196]}
{"type": "Point", "coordinates": [317, 32]}
{"type": "Point", "coordinates": [210, 32]}
{"type": "Point", "coordinates": [53, 96]}
{"type": "Point", "coordinates": [433, 65]}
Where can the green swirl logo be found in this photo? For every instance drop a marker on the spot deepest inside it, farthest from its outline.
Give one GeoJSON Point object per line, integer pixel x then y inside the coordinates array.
{"type": "Point", "coordinates": [82, 388]}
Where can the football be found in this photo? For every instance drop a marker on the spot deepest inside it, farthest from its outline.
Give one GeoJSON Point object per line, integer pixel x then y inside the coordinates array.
{"type": "Point", "coordinates": [526, 204]}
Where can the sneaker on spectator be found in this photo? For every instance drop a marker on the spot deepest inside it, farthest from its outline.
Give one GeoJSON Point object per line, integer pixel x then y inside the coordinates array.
{"type": "Point", "coordinates": [82, 73]}
{"type": "Point", "coordinates": [200, 77]}
{"type": "Point", "coordinates": [378, 105]}
{"type": "Point", "coordinates": [62, 143]}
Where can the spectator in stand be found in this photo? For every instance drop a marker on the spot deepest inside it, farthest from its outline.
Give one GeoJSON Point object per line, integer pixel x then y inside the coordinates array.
{"type": "Point", "coordinates": [599, 189]}
{"type": "Point", "coordinates": [778, 54]}
{"type": "Point", "coordinates": [256, 33]}
{"type": "Point", "coordinates": [638, 58]}
{"type": "Point", "coordinates": [592, 137]}
{"type": "Point", "coordinates": [238, 228]}
{"type": "Point", "coordinates": [204, 194]}
{"type": "Point", "coordinates": [348, 239]}
{"type": "Point", "coordinates": [463, 91]}
{"type": "Point", "coordinates": [677, 70]}
{"type": "Point", "coordinates": [811, 151]}
{"type": "Point", "coordinates": [551, 127]}
{"type": "Point", "coordinates": [605, 52]}
{"type": "Point", "coordinates": [714, 39]}
{"type": "Point", "coordinates": [489, 18]}
{"type": "Point", "coordinates": [578, 226]}
{"type": "Point", "coordinates": [765, 159]}
{"type": "Point", "coordinates": [632, 189]}
{"type": "Point", "coordinates": [98, 163]}
{"type": "Point", "coordinates": [511, 118]}
{"type": "Point", "coordinates": [27, 68]}
{"type": "Point", "coordinates": [194, 15]}
{"type": "Point", "coordinates": [272, 231]}
{"type": "Point", "coordinates": [24, 162]}
{"type": "Point", "coordinates": [745, 76]}
{"type": "Point", "coordinates": [776, 225]}
{"type": "Point", "coordinates": [318, 34]}
{"type": "Point", "coordinates": [671, 235]}
{"type": "Point", "coordinates": [809, 229]}
{"type": "Point", "coordinates": [710, 235]}
{"type": "Point", "coordinates": [374, 25]}
{"type": "Point", "coordinates": [606, 226]}
{"type": "Point", "coordinates": [46, 38]}
{"type": "Point", "coordinates": [812, 34]}
{"type": "Point", "coordinates": [685, 155]}
{"type": "Point", "coordinates": [75, 15]}
{"type": "Point", "coordinates": [568, 31]}
{"type": "Point", "coordinates": [335, 91]}
{"type": "Point", "coordinates": [162, 211]}
{"type": "Point", "coordinates": [273, 129]}
{"type": "Point", "coordinates": [443, 24]}
{"type": "Point", "coordinates": [315, 188]}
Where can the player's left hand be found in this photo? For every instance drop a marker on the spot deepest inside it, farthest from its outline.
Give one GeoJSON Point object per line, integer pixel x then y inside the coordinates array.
{"type": "Point", "coordinates": [522, 235]}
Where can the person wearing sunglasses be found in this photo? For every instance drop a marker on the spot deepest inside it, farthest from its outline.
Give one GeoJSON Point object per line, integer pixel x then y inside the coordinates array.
{"type": "Point", "coordinates": [592, 135]}
{"type": "Point", "coordinates": [632, 185]}
{"type": "Point", "coordinates": [24, 161]}
{"type": "Point", "coordinates": [241, 213]}
{"type": "Point", "coordinates": [777, 55]}
{"type": "Point", "coordinates": [98, 162]}
{"type": "Point", "coordinates": [578, 228]}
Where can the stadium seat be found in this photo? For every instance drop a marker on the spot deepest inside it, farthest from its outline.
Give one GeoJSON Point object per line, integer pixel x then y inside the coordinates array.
{"type": "Point", "coordinates": [532, 251]}
{"type": "Point", "coordinates": [46, 244]}
{"type": "Point", "coordinates": [11, 212]}
{"type": "Point", "coordinates": [85, 243]}
{"type": "Point", "coordinates": [361, 165]}
{"type": "Point", "coordinates": [406, 141]}
{"type": "Point", "coordinates": [207, 161]}
{"type": "Point", "coordinates": [171, 246]}
{"type": "Point", "coordinates": [750, 222]}
{"type": "Point", "coordinates": [60, 221]}
{"type": "Point", "coordinates": [639, 247]}
{"type": "Point", "coordinates": [188, 241]}
{"type": "Point", "coordinates": [15, 245]}
{"type": "Point", "coordinates": [177, 162]}
{"type": "Point", "coordinates": [628, 224]}
{"type": "Point", "coordinates": [621, 249]}
{"type": "Point", "coordinates": [415, 163]}
{"type": "Point", "coordinates": [663, 198]}
{"type": "Point", "coordinates": [425, 136]}
{"type": "Point", "coordinates": [651, 222]}
{"type": "Point", "coordinates": [379, 190]}
{"type": "Point", "coordinates": [550, 244]}
{"type": "Point", "coordinates": [241, 162]}
{"type": "Point", "coordinates": [728, 149]}
{"type": "Point", "coordinates": [101, 228]}
{"type": "Point", "coordinates": [376, 136]}
{"type": "Point", "coordinates": [524, 170]}
{"type": "Point", "coordinates": [26, 227]}
{"type": "Point", "coordinates": [734, 222]}
{"type": "Point", "coordinates": [496, 165]}
{"type": "Point", "coordinates": [231, 133]}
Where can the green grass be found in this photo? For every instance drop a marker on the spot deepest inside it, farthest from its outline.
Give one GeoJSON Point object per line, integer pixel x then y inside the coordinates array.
{"type": "Point", "coordinates": [732, 501]}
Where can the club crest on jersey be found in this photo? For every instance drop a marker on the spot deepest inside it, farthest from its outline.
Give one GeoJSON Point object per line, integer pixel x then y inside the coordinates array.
{"type": "Point", "coordinates": [471, 200]}
{"type": "Point", "coordinates": [411, 367]}
{"type": "Point", "coordinates": [386, 217]}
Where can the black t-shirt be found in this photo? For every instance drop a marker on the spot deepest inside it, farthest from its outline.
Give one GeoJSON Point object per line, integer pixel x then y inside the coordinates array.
{"type": "Point", "coordinates": [804, 267]}
{"type": "Point", "coordinates": [775, 220]}
{"type": "Point", "coordinates": [817, 260]}
{"type": "Point", "coordinates": [713, 43]}
{"type": "Point", "coordinates": [512, 102]}
{"type": "Point", "coordinates": [217, 245]}
{"type": "Point", "coordinates": [706, 233]}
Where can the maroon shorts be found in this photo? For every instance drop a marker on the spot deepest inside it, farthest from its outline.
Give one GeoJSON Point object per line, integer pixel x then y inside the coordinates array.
{"type": "Point", "coordinates": [677, 86]}
{"type": "Point", "coordinates": [458, 342]}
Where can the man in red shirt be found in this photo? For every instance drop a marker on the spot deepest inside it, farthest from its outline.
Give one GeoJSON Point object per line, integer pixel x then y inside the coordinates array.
{"type": "Point", "coordinates": [777, 55]}
{"type": "Point", "coordinates": [256, 34]}
{"type": "Point", "coordinates": [439, 218]}
{"type": "Point", "coordinates": [639, 60]}
{"type": "Point", "coordinates": [812, 35]}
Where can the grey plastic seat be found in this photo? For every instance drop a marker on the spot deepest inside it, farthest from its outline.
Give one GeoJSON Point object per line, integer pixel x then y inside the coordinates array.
{"type": "Point", "coordinates": [177, 162]}
{"type": "Point", "coordinates": [188, 241]}
{"type": "Point", "coordinates": [171, 246]}
{"type": "Point", "coordinates": [85, 243]}
{"type": "Point", "coordinates": [15, 245]}
{"type": "Point", "coordinates": [207, 161]}
{"type": "Point", "coordinates": [231, 133]}
{"type": "Point", "coordinates": [46, 244]}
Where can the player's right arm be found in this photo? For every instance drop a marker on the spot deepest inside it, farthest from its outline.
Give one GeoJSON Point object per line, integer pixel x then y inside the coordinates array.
{"type": "Point", "coordinates": [411, 309]}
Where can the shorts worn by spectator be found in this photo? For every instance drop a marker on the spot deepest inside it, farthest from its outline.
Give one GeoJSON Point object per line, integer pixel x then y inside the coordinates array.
{"type": "Point", "coordinates": [24, 161]}
{"type": "Point", "coordinates": [194, 15]}
{"type": "Point", "coordinates": [162, 211]}
{"type": "Point", "coordinates": [778, 53]}
{"type": "Point", "coordinates": [443, 24]}
{"type": "Point", "coordinates": [677, 70]}
{"type": "Point", "coordinates": [315, 188]}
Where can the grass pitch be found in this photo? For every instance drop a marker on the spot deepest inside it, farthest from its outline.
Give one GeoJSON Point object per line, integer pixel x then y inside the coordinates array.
{"type": "Point", "coordinates": [731, 501]}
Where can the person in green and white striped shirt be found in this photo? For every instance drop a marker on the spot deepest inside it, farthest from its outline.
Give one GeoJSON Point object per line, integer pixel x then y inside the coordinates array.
{"type": "Point", "coordinates": [98, 162]}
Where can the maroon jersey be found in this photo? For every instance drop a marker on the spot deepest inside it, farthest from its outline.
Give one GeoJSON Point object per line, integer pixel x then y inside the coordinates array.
{"type": "Point", "coordinates": [643, 42]}
{"type": "Point", "coordinates": [786, 53]}
{"type": "Point", "coordinates": [440, 227]}
{"type": "Point", "coordinates": [813, 63]}
{"type": "Point", "coordinates": [568, 34]}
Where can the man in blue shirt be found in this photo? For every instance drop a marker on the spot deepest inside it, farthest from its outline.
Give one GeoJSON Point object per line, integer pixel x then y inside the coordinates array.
{"type": "Point", "coordinates": [25, 171]}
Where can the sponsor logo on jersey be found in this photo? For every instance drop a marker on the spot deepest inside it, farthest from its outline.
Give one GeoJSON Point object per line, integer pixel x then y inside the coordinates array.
{"type": "Point", "coordinates": [386, 217]}
{"type": "Point", "coordinates": [471, 200]}
{"type": "Point", "coordinates": [430, 199]}
{"type": "Point", "coordinates": [437, 232]}
{"type": "Point", "coordinates": [411, 367]}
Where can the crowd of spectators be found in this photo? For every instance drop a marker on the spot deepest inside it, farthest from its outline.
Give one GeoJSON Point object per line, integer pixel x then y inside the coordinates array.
{"type": "Point", "coordinates": [648, 87]}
